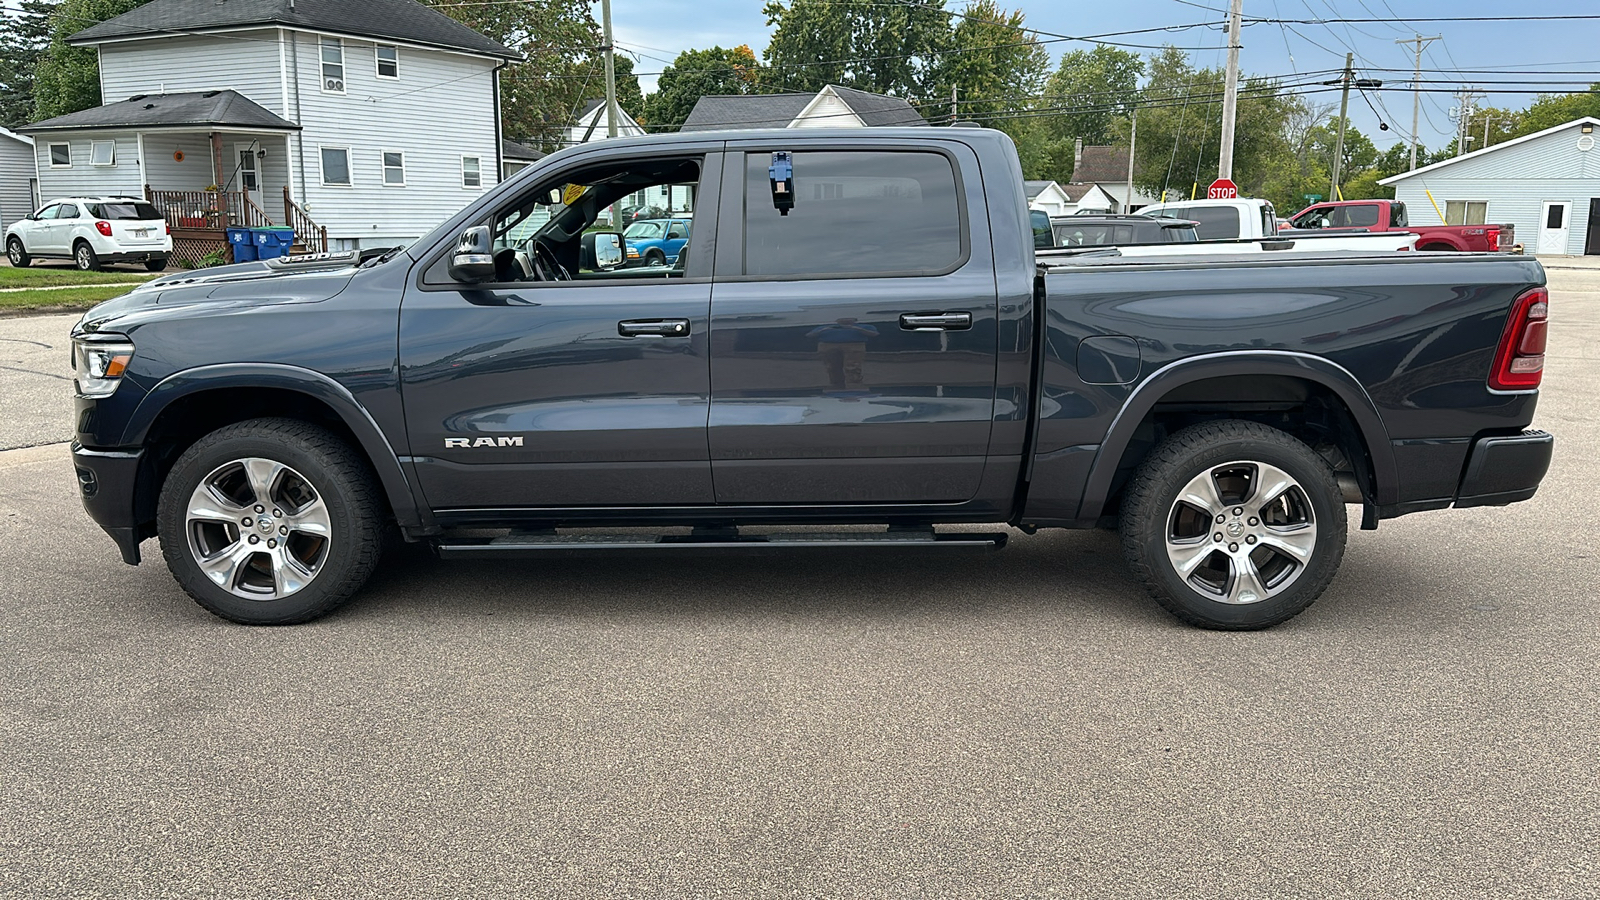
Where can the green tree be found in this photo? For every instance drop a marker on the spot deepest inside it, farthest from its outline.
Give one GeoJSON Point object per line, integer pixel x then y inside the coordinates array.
{"type": "Point", "coordinates": [629, 95]}
{"type": "Point", "coordinates": [1550, 110]}
{"type": "Point", "coordinates": [23, 38]}
{"type": "Point", "coordinates": [995, 67]}
{"type": "Point", "coordinates": [1086, 95]}
{"type": "Point", "coordinates": [887, 48]}
{"type": "Point", "coordinates": [695, 74]}
{"type": "Point", "coordinates": [67, 78]}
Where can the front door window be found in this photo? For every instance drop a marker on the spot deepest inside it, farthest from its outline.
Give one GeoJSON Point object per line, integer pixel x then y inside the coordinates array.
{"type": "Point", "coordinates": [248, 178]}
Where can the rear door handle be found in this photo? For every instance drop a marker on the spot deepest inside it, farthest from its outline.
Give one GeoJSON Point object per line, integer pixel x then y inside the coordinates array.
{"type": "Point", "coordinates": [656, 327]}
{"type": "Point", "coordinates": [944, 321]}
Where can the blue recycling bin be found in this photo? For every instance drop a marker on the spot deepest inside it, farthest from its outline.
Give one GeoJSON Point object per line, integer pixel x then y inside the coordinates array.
{"type": "Point", "coordinates": [273, 242]}
{"type": "Point", "coordinates": [243, 243]}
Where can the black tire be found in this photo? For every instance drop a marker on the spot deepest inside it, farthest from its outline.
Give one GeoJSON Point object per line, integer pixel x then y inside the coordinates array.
{"type": "Point", "coordinates": [355, 513]}
{"type": "Point", "coordinates": [1232, 454]}
{"type": "Point", "coordinates": [84, 257]}
{"type": "Point", "coordinates": [155, 265]}
{"type": "Point", "coordinates": [17, 253]}
{"type": "Point", "coordinates": [655, 258]}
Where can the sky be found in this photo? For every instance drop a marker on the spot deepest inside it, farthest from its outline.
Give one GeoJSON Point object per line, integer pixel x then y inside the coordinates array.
{"type": "Point", "coordinates": [655, 31]}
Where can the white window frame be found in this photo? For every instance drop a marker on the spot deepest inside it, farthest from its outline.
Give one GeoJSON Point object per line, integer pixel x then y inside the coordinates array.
{"type": "Point", "coordinates": [1466, 210]}
{"type": "Point", "coordinates": [383, 164]}
{"type": "Point", "coordinates": [239, 151]}
{"type": "Point", "coordinates": [52, 151]}
{"type": "Point", "coordinates": [94, 147]}
{"type": "Point", "coordinates": [377, 61]}
{"type": "Point", "coordinates": [479, 161]}
{"type": "Point", "coordinates": [349, 167]}
{"type": "Point", "coordinates": [322, 65]}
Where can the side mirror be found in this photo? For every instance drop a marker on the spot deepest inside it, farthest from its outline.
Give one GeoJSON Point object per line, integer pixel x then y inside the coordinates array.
{"type": "Point", "coordinates": [472, 261]}
{"type": "Point", "coordinates": [608, 249]}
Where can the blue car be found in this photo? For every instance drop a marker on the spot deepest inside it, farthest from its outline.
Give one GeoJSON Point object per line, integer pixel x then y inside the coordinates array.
{"type": "Point", "coordinates": [656, 242]}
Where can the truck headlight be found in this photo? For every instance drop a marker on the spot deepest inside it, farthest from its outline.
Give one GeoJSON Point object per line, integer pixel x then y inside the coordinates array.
{"type": "Point", "coordinates": [98, 366]}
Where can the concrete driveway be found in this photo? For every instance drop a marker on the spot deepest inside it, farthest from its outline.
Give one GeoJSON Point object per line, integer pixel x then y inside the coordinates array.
{"type": "Point", "coordinates": [1023, 724]}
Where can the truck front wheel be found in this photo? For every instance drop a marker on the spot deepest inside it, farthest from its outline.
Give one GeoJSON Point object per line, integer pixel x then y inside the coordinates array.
{"type": "Point", "coordinates": [270, 522]}
{"type": "Point", "coordinates": [1234, 525]}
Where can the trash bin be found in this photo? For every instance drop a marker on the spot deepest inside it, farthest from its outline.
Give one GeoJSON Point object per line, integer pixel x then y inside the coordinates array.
{"type": "Point", "coordinates": [243, 244]}
{"type": "Point", "coordinates": [274, 241]}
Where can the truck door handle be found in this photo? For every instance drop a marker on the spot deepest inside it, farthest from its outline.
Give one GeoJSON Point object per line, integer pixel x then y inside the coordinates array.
{"type": "Point", "coordinates": [657, 327]}
{"type": "Point", "coordinates": [951, 321]}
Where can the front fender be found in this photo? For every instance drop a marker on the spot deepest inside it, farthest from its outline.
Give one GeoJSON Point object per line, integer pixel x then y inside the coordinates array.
{"type": "Point", "coordinates": [1374, 435]}
{"type": "Point", "coordinates": [409, 513]}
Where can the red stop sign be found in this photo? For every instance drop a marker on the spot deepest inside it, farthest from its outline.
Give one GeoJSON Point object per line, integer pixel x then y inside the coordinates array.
{"type": "Point", "coordinates": [1222, 189]}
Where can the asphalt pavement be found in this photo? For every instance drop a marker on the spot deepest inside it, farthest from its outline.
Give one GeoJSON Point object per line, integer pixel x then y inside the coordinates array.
{"type": "Point", "coordinates": [1021, 724]}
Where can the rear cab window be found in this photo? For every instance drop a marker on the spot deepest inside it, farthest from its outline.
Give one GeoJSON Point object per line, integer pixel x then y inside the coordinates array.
{"type": "Point", "coordinates": [124, 212]}
{"type": "Point", "coordinates": [857, 213]}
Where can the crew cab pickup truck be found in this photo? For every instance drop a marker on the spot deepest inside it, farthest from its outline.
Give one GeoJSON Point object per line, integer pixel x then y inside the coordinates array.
{"type": "Point", "coordinates": [1390, 216]}
{"type": "Point", "coordinates": [1247, 221]}
{"type": "Point", "coordinates": [858, 333]}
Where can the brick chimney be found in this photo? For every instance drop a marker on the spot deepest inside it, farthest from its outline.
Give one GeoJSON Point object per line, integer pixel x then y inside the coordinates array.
{"type": "Point", "coordinates": [1077, 156]}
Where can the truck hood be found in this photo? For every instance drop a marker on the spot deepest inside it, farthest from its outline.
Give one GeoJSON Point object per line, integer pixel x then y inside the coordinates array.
{"type": "Point", "coordinates": [218, 289]}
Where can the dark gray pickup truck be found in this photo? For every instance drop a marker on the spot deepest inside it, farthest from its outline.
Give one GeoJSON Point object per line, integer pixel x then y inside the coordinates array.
{"type": "Point", "coordinates": [858, 333]}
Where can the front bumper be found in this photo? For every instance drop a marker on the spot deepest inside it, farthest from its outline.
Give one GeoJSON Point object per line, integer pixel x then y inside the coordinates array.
{"type": "Point", "coordinates": [1506, 469]}
{"type": "Point", "coordinates": [108, 482]}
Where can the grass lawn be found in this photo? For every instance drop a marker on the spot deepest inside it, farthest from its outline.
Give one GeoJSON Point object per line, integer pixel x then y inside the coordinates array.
{"type": "Point", "coordinates": [51, 276]}
{"type": "Point", "coordinates": [62, 300]}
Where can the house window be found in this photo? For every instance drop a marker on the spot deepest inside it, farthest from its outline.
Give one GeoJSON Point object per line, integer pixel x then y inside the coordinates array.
{"type": "Point", "coordinates": [60, 156]}
{"type": "Point", "coordinates": [388, 61]}
{"type": "Point", "coordinates": [248, 176]}
{"type": "Point", "coordinates": [1466, 212]}
{"type": "Point", "coordinates": [103, 153]}
{"type": "Point", "coordinates": [335, 165]}
{"type": "Point", "coordinates": [471, 172]}
{"type": "Point", "coordinates": [332, 66]}
{"type": "Point", "coordinates": [394, 168]}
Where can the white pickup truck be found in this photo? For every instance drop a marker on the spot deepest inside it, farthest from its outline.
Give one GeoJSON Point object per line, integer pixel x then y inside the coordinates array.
{"type": "Point", "coordinates": [1253, 225]}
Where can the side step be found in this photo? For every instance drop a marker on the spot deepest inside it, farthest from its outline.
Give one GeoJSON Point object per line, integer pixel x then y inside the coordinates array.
{"type": "Point", "coordinates": [548, 544]}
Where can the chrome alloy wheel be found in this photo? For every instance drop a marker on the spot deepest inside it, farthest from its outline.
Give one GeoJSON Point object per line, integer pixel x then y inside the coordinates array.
{"type": "Point", "coordinates": [1241, 532]}
{"type": "Point", "coordinates": [258, 529]}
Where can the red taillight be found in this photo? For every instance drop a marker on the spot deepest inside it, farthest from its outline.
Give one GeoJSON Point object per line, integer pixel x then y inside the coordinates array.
{"type": "Point", "coordinates": [1493, 237]}
{"type": "Point", "coordinates": [167, 226]}
{"type": "Point", "coordinates": [103, 227]}
{"type": "Point", "coordinates": [1519, 362]}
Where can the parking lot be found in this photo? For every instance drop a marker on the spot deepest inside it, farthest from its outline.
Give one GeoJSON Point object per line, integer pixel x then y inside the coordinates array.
{"type": "Point", "coordinates": [1022, 724]}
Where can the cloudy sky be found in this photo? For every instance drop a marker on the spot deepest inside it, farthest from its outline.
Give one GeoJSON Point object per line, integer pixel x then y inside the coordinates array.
{"type": "Point", "coordinates": [1492, 53]}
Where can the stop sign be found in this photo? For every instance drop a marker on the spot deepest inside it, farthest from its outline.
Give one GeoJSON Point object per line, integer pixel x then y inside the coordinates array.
{"type": "Point", "coordinates": [1222, 189]}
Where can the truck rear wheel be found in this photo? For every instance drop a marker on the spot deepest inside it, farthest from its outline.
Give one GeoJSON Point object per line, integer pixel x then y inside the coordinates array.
{"type": "Point", "coordinates": [1234, 525]}
{"type": "Point", "coordinates": [270, 522]}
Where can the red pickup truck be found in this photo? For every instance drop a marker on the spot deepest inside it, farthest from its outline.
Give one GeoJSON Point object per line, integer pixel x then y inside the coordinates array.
{"type": "Point", "coordinates": [1390, 215]}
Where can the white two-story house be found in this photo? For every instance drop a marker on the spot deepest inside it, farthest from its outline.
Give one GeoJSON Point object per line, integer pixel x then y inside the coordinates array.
{"type": "Point", "coordinates": [360, 123]}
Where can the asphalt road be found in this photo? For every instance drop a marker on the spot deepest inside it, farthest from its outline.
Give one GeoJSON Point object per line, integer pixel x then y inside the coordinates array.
{"type": "Point", "coordinates": [1023, 724]}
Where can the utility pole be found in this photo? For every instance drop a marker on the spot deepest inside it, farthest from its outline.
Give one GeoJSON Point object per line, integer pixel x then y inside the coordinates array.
{"type": "Point", "coordinates": [611, 70]}
{"type": "Point", "coordinates": [1463, 114]}
{"type": "Point", "coordinates": [1416, 89]}
{"type": "Point", "coordinates": [1230, 91]}
{"type": "Point", "coordinates": [1344, 113]}
{"type": "Point", "coordinates": [1133, 145]}
{"type": "Point", "coordinates": [953, 115]}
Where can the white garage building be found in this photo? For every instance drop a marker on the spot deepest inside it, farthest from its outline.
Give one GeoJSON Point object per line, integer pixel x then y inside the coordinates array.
{"type": "Point", "coordinates": [1547, 184]}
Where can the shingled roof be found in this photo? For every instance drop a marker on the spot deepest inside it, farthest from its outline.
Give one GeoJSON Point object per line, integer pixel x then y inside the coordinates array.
{"type": "Point", "coordinates": [720, 111]}
{"type": "Point", "coordinates": [399, 20]}
{"type": "Point", "coordinates": [228, 109]}
{"type": "Point", "coordinates": [1102, 164]}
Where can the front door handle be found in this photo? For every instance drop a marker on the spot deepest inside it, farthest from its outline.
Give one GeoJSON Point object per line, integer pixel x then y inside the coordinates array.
{"type": "Point", "coordinates": [656, 327]}
{"type": "Point", "coordinates": [944, 321]}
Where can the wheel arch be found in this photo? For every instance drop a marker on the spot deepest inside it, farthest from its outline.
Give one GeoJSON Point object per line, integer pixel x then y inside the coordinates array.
{"type": "Point", "coordinates": [1121, 451]}
{"type": "Point", "coordinates": [188, 404]}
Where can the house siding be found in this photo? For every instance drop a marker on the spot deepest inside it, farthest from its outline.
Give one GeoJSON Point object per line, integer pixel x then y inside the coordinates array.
{"type": "Point", "coordinates": [16, 171]}
{"type": "Point", "coordinates": [830, 112]}
{"type": "Point", "coordinates": [84, 179]}
{"type": "Point", "coordinates": [245, 61]}
{"type": "Point", "coordinates": [441, 108]}
{"type": "Point", "coordinates": [1516, 182]}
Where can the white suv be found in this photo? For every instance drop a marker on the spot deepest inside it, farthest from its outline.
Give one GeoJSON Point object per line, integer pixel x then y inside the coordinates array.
{"type": "Point", "coordinates": [91, 231]}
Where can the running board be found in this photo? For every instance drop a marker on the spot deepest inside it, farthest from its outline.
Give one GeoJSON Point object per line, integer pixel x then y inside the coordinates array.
{"type": "Point", "coordinates": [518, 544]}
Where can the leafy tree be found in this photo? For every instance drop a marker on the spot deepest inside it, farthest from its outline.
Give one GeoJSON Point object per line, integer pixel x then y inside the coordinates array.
{"type": "Point", "coordinates": [1088, 93]}
{"type": "Point", "coordinates": [994, 66]}
{"type": "Point", "coordinates": [1550, 110]}
{"type": "Point", "coordinates": [67, 78]}
{"type": "Point", "coordinates": [23, 38]}
{"type": "Point", "coordinates": [629, 95]}
{"type": "Point", "coordinates": [695, 74]}
{"type": "Point", "coordinates": [887, 48]}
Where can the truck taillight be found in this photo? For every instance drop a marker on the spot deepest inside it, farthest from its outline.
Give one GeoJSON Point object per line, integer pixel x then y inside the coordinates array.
{"type": "Point", "coordinates": [1519, 361]}
{"type": "Point", "coordinates": [1494, 239]}
{"type": "Point", "coordinates": [103, 227]}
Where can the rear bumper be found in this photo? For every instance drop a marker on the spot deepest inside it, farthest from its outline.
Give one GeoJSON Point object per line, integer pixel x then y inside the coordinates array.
{"type": "Point", "coordinates": [107, 481]}
{"type": "Point", "coordinates": [1507, 469]}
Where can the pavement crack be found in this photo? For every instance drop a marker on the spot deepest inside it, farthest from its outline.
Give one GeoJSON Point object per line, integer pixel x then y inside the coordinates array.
{"type": "Point", "coordinates": [32, 372]}
{"type": "Point", "coordinates": [22, 341]}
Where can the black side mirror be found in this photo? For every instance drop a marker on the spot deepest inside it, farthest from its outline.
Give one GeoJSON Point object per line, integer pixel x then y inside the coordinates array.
{"type": "Point", "coordinates": [472, 261]}
{"type": "Point", "coordinates": [600, 250]}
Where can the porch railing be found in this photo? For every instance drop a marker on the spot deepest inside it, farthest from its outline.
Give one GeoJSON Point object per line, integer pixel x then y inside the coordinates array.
{"type": "Point", "coordinates": [208, 209]}
{"type": "Point", "coordinates": [306, 232]}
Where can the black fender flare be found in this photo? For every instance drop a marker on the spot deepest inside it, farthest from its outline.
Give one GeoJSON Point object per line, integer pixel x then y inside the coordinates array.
{"type": "Point", "coordinates": [403, 499]}
{"type": "Point", "coordinates": [1232, 363]}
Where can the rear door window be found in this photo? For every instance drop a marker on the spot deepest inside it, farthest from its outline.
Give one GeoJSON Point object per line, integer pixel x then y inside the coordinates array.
{"type": "Point", "coordinates": [1364, 215]}
{"type": "Point", "coordinates": [1217, 223]}
{"type": "Point", "coordinates": [856, 214]}
{"type": "Point", "coordinates": [125, 212]}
